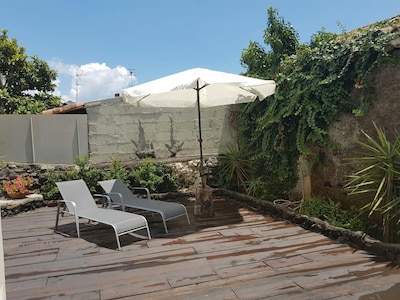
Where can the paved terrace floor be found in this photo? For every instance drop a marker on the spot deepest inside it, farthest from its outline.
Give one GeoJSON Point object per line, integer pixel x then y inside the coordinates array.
{"type": "Point", "coordinates": [238, 254]}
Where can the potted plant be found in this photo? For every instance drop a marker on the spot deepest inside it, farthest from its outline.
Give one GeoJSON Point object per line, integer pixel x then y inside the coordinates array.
{"type": "Point", "coordinates": [17, 188]}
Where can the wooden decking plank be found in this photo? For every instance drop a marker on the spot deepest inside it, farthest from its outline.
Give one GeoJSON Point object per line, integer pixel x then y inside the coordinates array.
{"type": "Point", "coordinates": [178, 274]}
{"type": "Point", "coordinates": [96, 263]}
{"type": "Point", "coordinates": [253, 242]}
{"type": "Point", "coordinates": [153, 278]}
{"type": "Point", "coordinates": [261, 252]}
{"type": "Point", "coordinates": [108, 283]}
{"type": "Point", "coordinates": [370, 288]}
{"type": "Point", "coordinates": [196, 292]}
{"type": "Point", "coordinates": [261, 288]}
{"type": "Point", "coordinates": [236, 270]}
{"type": "Point", "coordinates": [337, 275]}
{"type": "Point", "coordinates": [39, 257]}
{"type": "Point", "coordinates": [140, 290]}
{"type": "Point", "coordinates": [377, 290]}
{"type": "Point", "coordinates": [68, 295]}
{"type": "Point", "coordinates": [26, 285]}
{"type": "Point", "coordinates": [239, 254]}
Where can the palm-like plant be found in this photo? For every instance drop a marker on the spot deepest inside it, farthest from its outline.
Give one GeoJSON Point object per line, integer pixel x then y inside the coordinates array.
{"type": "Point", "coordinates": [235, 166]}
{"type": "Point", "coordinates": [379, 175]}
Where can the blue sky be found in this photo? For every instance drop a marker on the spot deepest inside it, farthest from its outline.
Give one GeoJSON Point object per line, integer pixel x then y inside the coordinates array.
{"type": "Point", "coordinates": [100, 47]}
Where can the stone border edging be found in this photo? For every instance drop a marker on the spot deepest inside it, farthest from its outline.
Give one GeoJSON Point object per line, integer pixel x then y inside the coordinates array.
{"type": "Point", "coordinates": [19, 206]}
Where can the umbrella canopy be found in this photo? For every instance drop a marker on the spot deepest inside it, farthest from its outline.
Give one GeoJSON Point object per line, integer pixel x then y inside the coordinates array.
{"type": "Point", "coordinates": [199, 87]}
{"type": "Point", "coordinates": [215, 88]}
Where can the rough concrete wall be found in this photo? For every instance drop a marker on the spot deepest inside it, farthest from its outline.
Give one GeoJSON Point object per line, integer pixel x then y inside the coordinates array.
{"type": "Point", "coordinates": [117, 128]}
{"type": "Point", "coordinates": [329, 177]}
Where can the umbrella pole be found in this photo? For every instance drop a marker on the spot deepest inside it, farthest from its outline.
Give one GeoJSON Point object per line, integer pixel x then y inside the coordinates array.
{"type": "Point", "coordinates": [203, 206]}
{"type": "Point", "coordinates": [200, 138]}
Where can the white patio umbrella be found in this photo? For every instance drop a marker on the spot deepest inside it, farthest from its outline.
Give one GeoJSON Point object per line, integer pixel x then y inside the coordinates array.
{"type": "Point", "coordinates": [198, 88]}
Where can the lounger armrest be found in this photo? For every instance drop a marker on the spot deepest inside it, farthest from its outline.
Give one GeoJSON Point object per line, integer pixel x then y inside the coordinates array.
{"type": "Point", "coordinates": [143, 188]}
{"type": "Point", "coordinates": [105, 198]}
{"type": "Point", "coordinates": [73, 205]}
{"type": "Point", "coordinates": [120, 198]}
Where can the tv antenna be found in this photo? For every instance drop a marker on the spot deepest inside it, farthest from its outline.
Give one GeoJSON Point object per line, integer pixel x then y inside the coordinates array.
{"type": "Point", "coordinates": [78, 76]}
{"type": "Point", "coordinates": [131, 75]}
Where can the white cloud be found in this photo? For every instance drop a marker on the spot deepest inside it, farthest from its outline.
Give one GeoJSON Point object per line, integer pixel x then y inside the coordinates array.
{"type": "Point", "coordinates": [90, 82]}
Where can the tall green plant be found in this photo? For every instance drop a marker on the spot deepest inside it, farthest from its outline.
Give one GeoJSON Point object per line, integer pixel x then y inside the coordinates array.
{"type": "Point", "coordinates": [235, 167]}
{"type": "Point", "coordinates": [379, 176]}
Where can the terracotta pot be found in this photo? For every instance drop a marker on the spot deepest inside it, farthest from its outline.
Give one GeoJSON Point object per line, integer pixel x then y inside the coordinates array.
{"type": "Point", "coordinates": [20, 195]}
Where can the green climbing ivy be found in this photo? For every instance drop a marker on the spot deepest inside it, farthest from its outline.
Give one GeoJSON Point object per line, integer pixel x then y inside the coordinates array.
{"type": "Point", "coordinates": [314, 87]}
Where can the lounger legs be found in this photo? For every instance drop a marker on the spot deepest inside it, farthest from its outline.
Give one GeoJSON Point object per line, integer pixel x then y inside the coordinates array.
{"type": "Point", "coordinates": [187, 217]}
{"type": "Point", "coordinates": [62, 212]}
{"type": "Point", "coordinates": [165, 225]}
{"type": "Point", "coordinates": [77, 226]}
{"type": "Point", "coordinates": [117, 235]}
{"type": "Point", "coordinates": [58, 215]}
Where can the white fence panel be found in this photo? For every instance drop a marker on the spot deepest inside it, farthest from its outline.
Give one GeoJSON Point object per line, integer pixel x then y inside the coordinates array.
{"type": "Point", "coordinates": [53, 139]}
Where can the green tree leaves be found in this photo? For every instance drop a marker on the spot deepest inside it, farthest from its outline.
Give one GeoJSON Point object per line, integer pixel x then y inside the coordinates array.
{"type": "Point", "coordinates": [28, 81]}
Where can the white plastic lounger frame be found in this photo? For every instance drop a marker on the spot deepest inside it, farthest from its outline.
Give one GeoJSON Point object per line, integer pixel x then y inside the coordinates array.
{"type": "Point", "coordinates": [121, 195]}
{"type": "Point", "coordinates": [80, 203]}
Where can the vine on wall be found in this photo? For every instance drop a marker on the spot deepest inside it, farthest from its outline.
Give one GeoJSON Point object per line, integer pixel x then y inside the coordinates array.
{"type": "Point", "coordinates": [314, 87]}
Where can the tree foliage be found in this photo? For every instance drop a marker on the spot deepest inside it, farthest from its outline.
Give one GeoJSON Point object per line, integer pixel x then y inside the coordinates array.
{"type": "Point", "coordinates": [27, 82]}
{"type": "Point", "coordinates": [314, 84]}
{"type": "Point", "coordinates": [283, 41]}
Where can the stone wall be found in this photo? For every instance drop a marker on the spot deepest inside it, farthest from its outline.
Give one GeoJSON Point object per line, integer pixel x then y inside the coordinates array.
{"type": "Point", "coordinates": [118, 129]}
{"type": "Point", "coordinates": [331, 171]}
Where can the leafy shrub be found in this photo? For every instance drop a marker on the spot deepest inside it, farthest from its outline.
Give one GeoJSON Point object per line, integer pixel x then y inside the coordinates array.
{"type": "Point", "coordinates": [156, 177]}
{"type": "Point", "coordinates": [86, 172]}
{"type": "Point", "coordinates": [117, 171]}
{"type": "Point", "coordinates": [331, 212]}
{"type": "Point", "coordinates": [48, 188]}
{"type": "Point", "coordinates": [257, 188]}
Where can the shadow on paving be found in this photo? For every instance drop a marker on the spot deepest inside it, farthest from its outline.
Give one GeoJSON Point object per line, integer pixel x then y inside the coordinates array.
{"type": "Point", "coordinates": [391, 293]}
{"type": "Point", "coordinates": [225, 213]}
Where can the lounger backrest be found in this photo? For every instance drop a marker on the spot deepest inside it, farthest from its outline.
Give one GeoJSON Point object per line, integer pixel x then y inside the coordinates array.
{"type": "Point", "coordinates": [116, 186]}
{"type": "Point", "coordinates": [78, 192]}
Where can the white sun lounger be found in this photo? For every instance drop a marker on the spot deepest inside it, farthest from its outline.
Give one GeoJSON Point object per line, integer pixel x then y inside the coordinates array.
{"type": "Point", "coordinates": [121, 195]}
{"type": "Point", "coordinates": [80, 203]}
